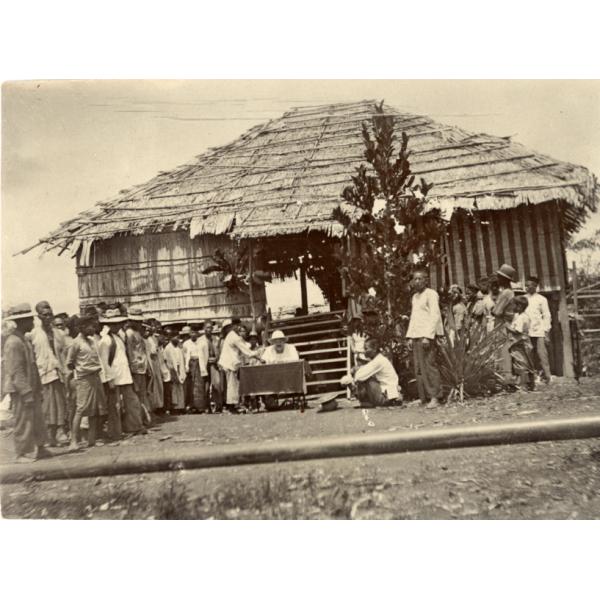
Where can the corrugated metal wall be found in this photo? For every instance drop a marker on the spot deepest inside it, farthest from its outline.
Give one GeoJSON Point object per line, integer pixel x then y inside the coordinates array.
{"type": "Point", "coordinates": [161, 274]}
{"type": "Point", "coordinates": [526, 237]}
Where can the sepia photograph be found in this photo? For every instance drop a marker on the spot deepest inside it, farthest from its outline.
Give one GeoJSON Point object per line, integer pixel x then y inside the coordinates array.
{"type": "Point", "coordinates": [300, 299]}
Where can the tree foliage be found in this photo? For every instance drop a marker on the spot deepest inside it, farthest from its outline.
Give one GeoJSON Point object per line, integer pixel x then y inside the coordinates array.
{"type": "Point", "coordinates": [392, 230]}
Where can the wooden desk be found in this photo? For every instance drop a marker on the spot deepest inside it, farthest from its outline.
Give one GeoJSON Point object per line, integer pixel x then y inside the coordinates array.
{"type": "Point", "coordinates": [274, 379]}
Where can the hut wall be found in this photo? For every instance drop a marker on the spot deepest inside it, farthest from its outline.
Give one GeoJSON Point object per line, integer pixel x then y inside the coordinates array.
{"type": "Point", "coordinates": [161, 273]}
{"type": "Point", "coordinates": [527, 237]}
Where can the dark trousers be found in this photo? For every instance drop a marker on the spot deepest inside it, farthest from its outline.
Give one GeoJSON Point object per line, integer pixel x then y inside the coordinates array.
{"type": "Point", "coordinates": [114, 429]}
{"type": "Point", "coordinates": [132, 409]}
{"type": "Point", "coordinates": [167, 395]}
{"type": "Point", "coordinates": [426, 371]}
{"type": "Point", "coordinates": [30, 428]}
{"type": "Point", "coordinates": [369, 392]}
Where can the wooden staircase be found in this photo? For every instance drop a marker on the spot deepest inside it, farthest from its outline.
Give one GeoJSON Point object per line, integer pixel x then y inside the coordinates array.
{"type": "Point", "coordinates": [319, 339]}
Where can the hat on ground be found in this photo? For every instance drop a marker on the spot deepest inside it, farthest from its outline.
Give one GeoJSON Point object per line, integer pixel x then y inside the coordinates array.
{"type": "Point", "coordinates": [329, 402]}
{"type": "Point", "coordinates": [19, 311]}
{"type": "Point", "coordinates": [112, 315]}
{"type": "Point", "coordinates": [277, 336]}
{"type": "Point", "coordinates": [135, 314]}
{"type": "Point", "coordinates": [186, 330]}
{"type": "Point", "coordinates": [507, 272]}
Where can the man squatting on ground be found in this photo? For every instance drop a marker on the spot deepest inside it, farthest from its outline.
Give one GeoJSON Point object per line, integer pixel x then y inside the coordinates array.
{"type": "Point", "coordinates": [376, 382]}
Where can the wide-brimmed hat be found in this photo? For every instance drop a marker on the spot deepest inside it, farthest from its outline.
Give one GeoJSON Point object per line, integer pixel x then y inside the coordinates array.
{"type": "Point", "coordinates": [507, 272]}
{"type": "Point", "coordinates": [135, 314]}
{"type": "Point", "coordinates": [278, 335]}
{"type": "Point", "coordinates": [186, 330]}
{"type": "Point", "coordinates": [19, 311]}
{"type": "Point", "coordinates": [112, 315]}
{"type": "Point", "coordinates": [328, 402]}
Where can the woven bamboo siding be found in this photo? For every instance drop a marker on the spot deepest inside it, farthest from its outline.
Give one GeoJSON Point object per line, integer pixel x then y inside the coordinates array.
{"type": "Point", "coordinates": [161, 274]}
{"type": "Point", "coordinates": [526, 237]}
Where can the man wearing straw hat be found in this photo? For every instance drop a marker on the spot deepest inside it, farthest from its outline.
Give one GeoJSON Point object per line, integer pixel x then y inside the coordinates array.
{"type": "Point", "coordinates": [279, 351]}
{"type": "Point", "coordinates": [503, 315]}
{"type": "Point", "coordinates": [119, 386]}
{"type": "Point", "coordinates": [138, 359]}
{"type": "Point", "coordinates": [209, 349]}
{"type": "Point", "coordinates": [21, 380]}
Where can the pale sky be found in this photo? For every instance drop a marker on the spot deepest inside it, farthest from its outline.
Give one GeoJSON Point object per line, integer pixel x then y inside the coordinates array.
{"type": "Point", "coordinates": [68, 145]}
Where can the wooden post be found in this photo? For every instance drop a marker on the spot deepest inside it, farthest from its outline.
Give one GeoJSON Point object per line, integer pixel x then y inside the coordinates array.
{"type": "Point", "coordinates": [563, 313]}
{"type": "Point", "coordinates": [303, 291]}
{"type": "Point", "coordinates": [575, 287]}
{"type": "Point", "coordinates": [251, 273]}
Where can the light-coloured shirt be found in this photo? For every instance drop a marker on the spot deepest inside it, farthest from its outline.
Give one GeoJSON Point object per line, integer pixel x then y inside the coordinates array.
{"type": "Point", "coordinates": [191, 350]}
{"type": "Point", "coordinates": [289, 354]}
{"type": "Point", "coordinates": [383, 371]}
{"type": "Point", "coordinates": [49, 362]}
{"type": "Point", "coordinates": [234, 347]}
{"type": "Point", "coordinates": [520, 323]}
{"type": "Point", "coordinates": [425, 316]}
{"type": "Point", "coordinates": [118, 372]}
{"type": "Point", "coordinates": [206, 349]}
{"type": "Point", "coordinates": [83, 355]}
{"type": "Point", "coordinates": [539, 314]}
{"type": "Point", "coordinates": [175, 362]}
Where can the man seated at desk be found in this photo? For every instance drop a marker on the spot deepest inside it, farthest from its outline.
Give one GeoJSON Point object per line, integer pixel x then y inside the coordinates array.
{"type": "Point", "coordinates": [279, 351]}
{"type": "Point", "coordinates": [376, 382]}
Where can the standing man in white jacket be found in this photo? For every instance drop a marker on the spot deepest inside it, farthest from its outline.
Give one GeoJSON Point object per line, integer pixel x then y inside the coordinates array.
{"type": "Point", "coordinates": [424, 325]}
{"type": "Point", "coordinates": [541, 323]}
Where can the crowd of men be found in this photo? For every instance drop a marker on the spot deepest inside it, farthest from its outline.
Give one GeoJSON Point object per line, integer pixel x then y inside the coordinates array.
{"type": "Point", "coordinates": [522, 324]}
{"type": "Point", "coordinates": [113, 371]}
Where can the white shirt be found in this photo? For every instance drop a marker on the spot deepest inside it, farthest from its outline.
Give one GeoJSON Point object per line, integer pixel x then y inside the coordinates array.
{"type": "Point", "coordinates": [289, 354]}
{"type": "Point", "coordinates": [425, 317]}
{"type": "Point", "coordinates": [203, 354]}
{"type": "Point", "coordinates": [521, 323]}
{"type": "Point", "coordinates": [539, 315]}
{"type": "Point", "coordinates": [383, 371]}
{"type": "Point", "coordinates": [190, 350]}
{"type": "Point", "coordinates": [175, 361]}
{"type": "Point", "coordinates": [234, 347]}
{"type": "Point", "coordinates": [119, 372]}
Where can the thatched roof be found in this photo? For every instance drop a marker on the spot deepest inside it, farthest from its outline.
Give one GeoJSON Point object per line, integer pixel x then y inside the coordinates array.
{"type": "Point", "coordinates": [286, 176]}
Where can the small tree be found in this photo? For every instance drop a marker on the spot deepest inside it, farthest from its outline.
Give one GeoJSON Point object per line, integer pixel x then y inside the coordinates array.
{"type": "Point", "coordinates": [390, 227]}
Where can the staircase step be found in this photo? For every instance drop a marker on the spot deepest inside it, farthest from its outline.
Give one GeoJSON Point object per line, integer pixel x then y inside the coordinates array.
{"type": "Point", "coordinates": [326, 341]}
{"type": "Point", "coordinates": [314, 361]}
{"type": "Point", "coordinates": [323, 351]}
{"type": "Point", "coordinates": [311, 317]}
{"type": "Point", "coordinates": [338, 370]}
{"type": "Point", "coordinates": [313, 324]}
{"type": "Point", "coordinates": [311, 333]}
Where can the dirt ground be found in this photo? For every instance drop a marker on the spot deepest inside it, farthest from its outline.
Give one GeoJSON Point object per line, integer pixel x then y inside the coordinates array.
{"type": "Point", "coordinates": [555, 480]}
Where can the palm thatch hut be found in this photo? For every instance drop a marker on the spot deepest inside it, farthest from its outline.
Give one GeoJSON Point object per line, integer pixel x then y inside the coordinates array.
{"type": "Point", "coordinates": [280, 181]}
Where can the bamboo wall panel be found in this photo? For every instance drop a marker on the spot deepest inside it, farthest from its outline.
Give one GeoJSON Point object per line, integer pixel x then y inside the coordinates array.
{"type": "Point", "coordinates": [162, 274]}
{"type": "Point", "coordinates": [526, 237]}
